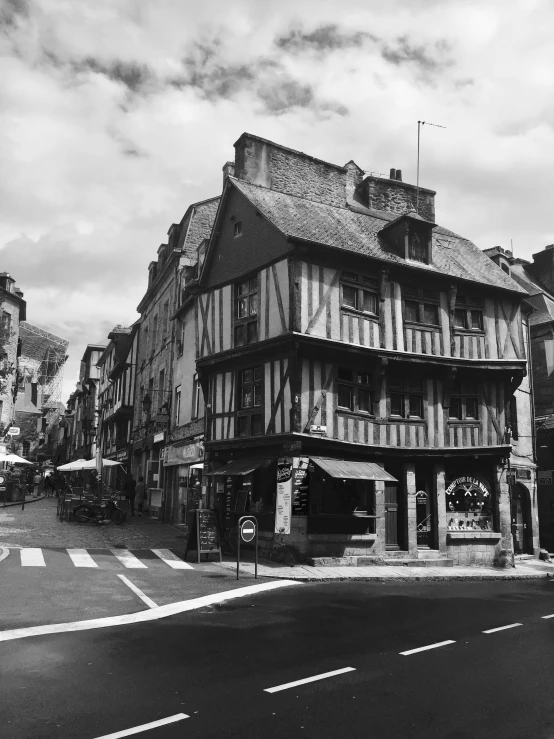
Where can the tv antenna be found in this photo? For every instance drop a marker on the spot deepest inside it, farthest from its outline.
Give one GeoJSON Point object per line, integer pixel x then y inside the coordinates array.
{"type": "Point", "coordinates": [419, 125]}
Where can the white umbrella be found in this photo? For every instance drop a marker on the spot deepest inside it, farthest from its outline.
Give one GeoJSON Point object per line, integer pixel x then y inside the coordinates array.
{"type": "Point", "coordinates": [72, 466]}
{"type": "Point", "coordinates": [13, 459]}
{"type": "Point", "coordinates": [85, 464]}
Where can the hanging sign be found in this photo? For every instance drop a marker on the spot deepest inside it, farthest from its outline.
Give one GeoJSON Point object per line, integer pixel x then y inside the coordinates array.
{"type": "Point", "coordinates": [283, 503]}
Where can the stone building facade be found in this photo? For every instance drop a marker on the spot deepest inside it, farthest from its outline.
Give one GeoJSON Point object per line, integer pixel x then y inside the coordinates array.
{"type": "Point", "coordinates": [12, 311]}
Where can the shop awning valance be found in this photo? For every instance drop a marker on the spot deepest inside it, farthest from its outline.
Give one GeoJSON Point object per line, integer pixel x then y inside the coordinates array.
{"type": "Point", "coordinates": [352, 470]}
{"type": "Point", "coordinates": [239, 467]}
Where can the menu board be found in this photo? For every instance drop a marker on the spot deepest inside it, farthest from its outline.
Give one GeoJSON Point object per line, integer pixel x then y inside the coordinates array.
{"type": "Point", "coordinates": [283, 498]}
{"type": "Point", "coordinates": [229, 500]}
{"type": "Point", "coordinates": [204, 537]}
{"type": "Point", "coordinates": [300, 489]}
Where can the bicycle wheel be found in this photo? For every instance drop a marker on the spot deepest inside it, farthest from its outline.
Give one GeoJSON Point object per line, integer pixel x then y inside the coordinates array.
{"type": "Point", "coordinates": [117, 516]}
{"type": "Point", "coordinates": [83, 514]}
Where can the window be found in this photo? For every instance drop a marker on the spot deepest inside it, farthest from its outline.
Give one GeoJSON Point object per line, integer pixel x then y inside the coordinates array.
{"type": "Point", "coordinates": [246, 312]}
{"type": "Point", "coordinates": [165, 328]}
{"type": "Point", "coordinates": [195, 396]}
{"type": "Point", "coordinates": [406, 397]}
{"type": "Point", "coordinates": [237, 230]}
{"type": "Point", "coordinates": [359, 293]}
{"type": "Point", "coordinates": [468, 314]}
{"type": "Point", "coordinates": [464, 401]}
{"type": "Point", "coordinates": [177, 404]}
{"type": "Point", "coordinates": [249, 419]}
{"type": "Point", "coordinates": [161, 390]}
{"type": "Point", "coordinates": [468, 505]}
{"type": "Point", "coordinates": [154, 333]}
{"type": "Point", "coordinates": [421, 306]}
{"type": "Point", "coordinates": [145, 339]}
{"type": "Point", "coordinates": [6, 324]}
{"type": "Point", "coordinates": [417, 246]}
{"type": "Point", "coordinates": [354, 391]}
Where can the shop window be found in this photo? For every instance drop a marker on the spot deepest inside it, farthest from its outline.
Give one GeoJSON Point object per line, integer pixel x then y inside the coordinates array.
{"type": "Point", "coordinates": [249, 418]}
{"type": "Point", "coordinates": [359, 293]}
{"type": "Point", "coordinates": [406, 397]}
{"type": "Point", "coordinates": [354, 391]}
{"type": "Point", "coordinates": [246, 312]}
{"type": "Point", "coordinates": [468, 505]}
{"type": "Point", "coordinates": [464, 401]}
{"type": "Point", "coordinates": [468, 314]}
{"type": "Point", "coordinates": [421, 306]}
{"type": "Point", "coordinates": [333, 496]}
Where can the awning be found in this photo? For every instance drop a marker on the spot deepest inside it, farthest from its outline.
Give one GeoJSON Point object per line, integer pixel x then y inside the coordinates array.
{"type": "Point", "coordinates": [353, 470]}
{"type": "Point", "coordinates": [239, 467]}
{"type": "Point", "coordinates": [199, 466]}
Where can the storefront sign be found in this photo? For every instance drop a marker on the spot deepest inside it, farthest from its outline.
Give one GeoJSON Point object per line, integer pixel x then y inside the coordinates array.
{"type": "Point", "coordinates": [283, 503]}
{"type": "Point", "coordinates": [300, 487]}
{"type": "Point", "coordinates": [184, 454]}
{"type": "Point", "coordinates": [545, 477]}
{"type": "Point", "coordinates": [523, 474]}
{"type": "Point", "coordinates": [159, 437]}
{"type": "Point", "coordinates": [469, 484]}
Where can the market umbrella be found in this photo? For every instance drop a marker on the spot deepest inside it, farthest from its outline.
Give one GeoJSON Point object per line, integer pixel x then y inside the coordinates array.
{"type": "Point", "coordinates": [72, 466]}
{"type": "Point", "coordinates": [13, 459]}
{"type": "Point", "coordinates": [85, 464]}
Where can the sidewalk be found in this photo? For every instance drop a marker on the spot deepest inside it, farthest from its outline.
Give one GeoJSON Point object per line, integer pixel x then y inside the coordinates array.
{"type": "Point", "coordinates": [526, 570]}
{"type": "Point", "coordinates": [28, 499]}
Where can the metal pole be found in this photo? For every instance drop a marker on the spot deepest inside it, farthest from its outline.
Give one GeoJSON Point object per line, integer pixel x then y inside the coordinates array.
{"type": "Point", "coordinates": [417, 183]}
{"type": "Point", "coordinates": [238, 549]}
{"type": "Point", "coordinates": [256, 567]}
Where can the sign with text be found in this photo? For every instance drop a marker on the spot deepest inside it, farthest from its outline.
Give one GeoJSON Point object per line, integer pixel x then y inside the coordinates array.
{"type": "Point", "coordinates": [283, 503]}
{"type": "Point", "coordinates": [300, 486]}
{"type": "Point", "coordinates": [204, 537]}
{"type": "Point", "coordinates": [545, 477]}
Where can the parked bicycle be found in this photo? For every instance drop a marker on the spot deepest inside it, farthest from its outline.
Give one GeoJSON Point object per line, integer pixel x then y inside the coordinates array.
{"type": "Point", "coordinates": [99, 512]}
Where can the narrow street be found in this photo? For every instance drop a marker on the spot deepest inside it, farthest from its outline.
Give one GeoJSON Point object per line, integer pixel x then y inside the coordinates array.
{"type": "Point", "coordinates": [216, 666]}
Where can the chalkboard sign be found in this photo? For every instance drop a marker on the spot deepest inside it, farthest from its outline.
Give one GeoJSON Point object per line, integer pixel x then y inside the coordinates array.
{"type": "Point", "coordinates": [204, 536]}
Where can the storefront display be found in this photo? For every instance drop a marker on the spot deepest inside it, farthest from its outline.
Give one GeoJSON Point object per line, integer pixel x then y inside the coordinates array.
{"type": "Point", "coordinates": [468, 505]}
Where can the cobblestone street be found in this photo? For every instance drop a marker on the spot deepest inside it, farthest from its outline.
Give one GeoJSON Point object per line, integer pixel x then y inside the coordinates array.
{"type": "Point", "coordinates": [38, 526]}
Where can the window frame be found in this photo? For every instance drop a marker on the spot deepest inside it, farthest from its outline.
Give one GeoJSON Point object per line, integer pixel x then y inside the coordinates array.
{"type": "Point", "coordinates": [407, 396]}
{"type": "Point", "coordinates": [361, 284]}
{"type": "Point", "coordinates": [195, 410]}
{"type": "Point", "coordinates": [461, 395]}
{"type": "Point", "coordinates": [469, 305]}
{"type": "Point", "coordinates": [250, 319]}
{"type": "Point", "coordinates": [237, 229]}
{"type": "Point", "coordinates": [355, 385]}
{"type": "Point", "coordinates": [245, 415]}
{"type": "Point", "coordinates": [177, 404]}
{"type": "Point", "coordinates": [417, 296]}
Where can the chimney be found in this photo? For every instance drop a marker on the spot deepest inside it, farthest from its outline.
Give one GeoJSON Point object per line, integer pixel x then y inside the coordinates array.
{"type": "Point", "coordinates": [395, 196]}
{"type": "Point", "coordinates": [543, 267]}
{"type": "Point", "coordinates": [7, 281]}
{"type": "Point", "coordinates": [18, 292]}
{"type": "Point", "coordinates": [399, 175]}
{"type": "Point", "coordinates": [392, 174]}
{"type": "Point", "coordinates": [228, 170]}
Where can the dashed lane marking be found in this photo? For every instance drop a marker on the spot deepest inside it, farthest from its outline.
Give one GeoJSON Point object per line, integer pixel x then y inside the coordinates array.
{"type": "Point", "coordinates": [149, 602]}
{"type": "Point", "coordinates": [146, 727]}
{"type": "Point", "coordinates": [81, 558]}
{"type": "Point", "coordinates": [429, 646]}
{"type": "Point", "coordinates": [128, 559]}
{"type": "Point", "coordinates": [32, 558]}
{"type": "Point", "coordinates": [313, 679]}
{"type": "Point", "coordinates": [501, 628]}
{"type": "Point", "coordinates": [172, 560]}
{"type": "Point", "coordinates": [551, 616]}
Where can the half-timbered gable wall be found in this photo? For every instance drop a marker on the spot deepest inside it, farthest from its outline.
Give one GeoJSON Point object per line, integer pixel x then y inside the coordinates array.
{"type": "Point", "coordinates": [250, 405]}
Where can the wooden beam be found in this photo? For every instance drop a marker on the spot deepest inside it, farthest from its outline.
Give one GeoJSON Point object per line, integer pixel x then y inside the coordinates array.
{"type": "Point", "coordinates": [323, 304]}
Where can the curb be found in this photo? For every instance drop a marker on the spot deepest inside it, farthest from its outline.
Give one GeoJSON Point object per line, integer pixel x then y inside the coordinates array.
{"type": "Point", "coordinates": [27, 502]}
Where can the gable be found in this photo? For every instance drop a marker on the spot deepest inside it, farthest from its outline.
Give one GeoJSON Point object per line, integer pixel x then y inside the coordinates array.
{"type": "Point", "coordinates": [232, 256]}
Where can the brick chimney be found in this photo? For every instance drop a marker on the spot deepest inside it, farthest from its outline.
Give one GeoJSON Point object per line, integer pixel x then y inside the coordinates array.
{"type": "Point", "coordinates": [393, 195]}
{"type": "Point", "coordinates": [543, 267]}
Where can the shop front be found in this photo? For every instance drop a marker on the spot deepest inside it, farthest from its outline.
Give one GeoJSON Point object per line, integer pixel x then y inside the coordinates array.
{"type": "Point", "coordinates": [184, 480]}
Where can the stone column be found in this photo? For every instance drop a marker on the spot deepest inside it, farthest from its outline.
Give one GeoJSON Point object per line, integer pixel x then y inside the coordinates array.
{"type": "Point", "coordinates": [440, 507]}
{"type": "Point", "coordinates": [503, 517]}
{"type": "Point", "coordinates": [410, 488]}
{"type": "Point", "coordinates": [379, 546]}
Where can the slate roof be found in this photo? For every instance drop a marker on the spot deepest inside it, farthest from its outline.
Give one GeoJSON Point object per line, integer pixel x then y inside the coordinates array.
{"type": "Point", "coordinates": [198, 225]}
{"type": "Point", "coordinates": [356, 229]}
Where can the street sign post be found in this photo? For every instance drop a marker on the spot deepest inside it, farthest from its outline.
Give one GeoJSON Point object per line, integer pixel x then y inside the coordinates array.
{"type": "Point", "coordinates": [14, 431]}
{"type": "Point", "coordinates": [247, 529]}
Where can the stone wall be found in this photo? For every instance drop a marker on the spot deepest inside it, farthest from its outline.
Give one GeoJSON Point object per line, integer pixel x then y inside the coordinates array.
{"type": "Point", "coordinates": [397, 197]}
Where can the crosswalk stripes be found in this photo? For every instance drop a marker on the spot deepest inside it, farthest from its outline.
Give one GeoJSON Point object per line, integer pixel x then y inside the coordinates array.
{"type": "Point", "coordinates": [81, 558]}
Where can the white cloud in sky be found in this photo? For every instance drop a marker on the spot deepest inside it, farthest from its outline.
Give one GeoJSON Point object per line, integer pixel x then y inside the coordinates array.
{"type": "Point", "coordinates": [116, 115]}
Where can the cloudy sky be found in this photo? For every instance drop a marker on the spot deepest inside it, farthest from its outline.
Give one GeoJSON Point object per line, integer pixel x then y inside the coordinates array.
{"type": "Point", "coordinates": [115, 115]}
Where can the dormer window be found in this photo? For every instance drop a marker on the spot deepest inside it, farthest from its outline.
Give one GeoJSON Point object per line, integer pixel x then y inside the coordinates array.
{"type": "Point", "coordinates": [411, 237]}
{"type": "Point", "coordinates": [238, 229]}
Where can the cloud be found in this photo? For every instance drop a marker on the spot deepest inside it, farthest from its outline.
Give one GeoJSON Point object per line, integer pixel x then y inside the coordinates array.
{"type": "Point", "coordinates": [322, 39]}
{"type": "Point", "coordinates": [428, 59]}
{"type": "Point", "coordinates": [11, 11]}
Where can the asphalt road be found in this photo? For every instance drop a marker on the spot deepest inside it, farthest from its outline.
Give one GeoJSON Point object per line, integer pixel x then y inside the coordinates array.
{"type": "Point", "coordinates": [216, 664]}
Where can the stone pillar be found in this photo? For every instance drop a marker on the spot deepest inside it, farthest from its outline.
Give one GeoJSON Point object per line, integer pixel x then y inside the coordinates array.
{"type": "Point", "coordinates": [410, 488]}
{"type": "Point", "coordinates": [505, 550]}
{"type": "Point", "coordinates": [379, 546]}
{"type": "Point", "coordinates": [440, 507]}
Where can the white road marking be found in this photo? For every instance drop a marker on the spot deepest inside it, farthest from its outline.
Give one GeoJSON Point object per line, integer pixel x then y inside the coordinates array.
{"type": "Point", "coordinates": [146, 727]}
{"type": "Point", "coordinates": [149, 602]}
{"type": "Point", "coordinates": [172, 560]}
{"type": "Point", "coordinates": [551, 616]}
{"type": "Point", "coordinates": [501, 628]}
{"type": "Point", "coordinates": [323, 675]}
{"type": "Point", "coordinates": [128, 559]}
{"type": "Point", "coordinates": [31, 557]}
{"type": "Point", "coordinates": [429, 646]}
{"type": "Point", "coordinates": [81, 558]}
{"type": "Point", "coordinates": [152, 614]}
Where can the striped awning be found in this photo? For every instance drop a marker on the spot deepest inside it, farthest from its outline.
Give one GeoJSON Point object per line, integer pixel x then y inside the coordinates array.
{"type": "Point", "coordinates": [342, 469]}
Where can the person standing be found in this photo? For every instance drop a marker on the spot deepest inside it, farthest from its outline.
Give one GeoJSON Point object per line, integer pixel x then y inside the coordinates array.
{"type": "Point", "coordinates": [37, 479]}
{"type": "Point", "coordinates": [130, 492]}
{"type": "Point", "coordinates": [141, 494]}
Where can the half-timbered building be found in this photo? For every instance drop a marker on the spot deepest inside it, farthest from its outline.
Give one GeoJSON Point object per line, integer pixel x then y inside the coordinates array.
{"type": "Point", "coordinates": [352, 348]}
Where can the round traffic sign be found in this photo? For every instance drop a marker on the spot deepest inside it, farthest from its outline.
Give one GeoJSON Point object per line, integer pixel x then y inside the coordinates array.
{"type": "Point", "coordinates": [247, 530]}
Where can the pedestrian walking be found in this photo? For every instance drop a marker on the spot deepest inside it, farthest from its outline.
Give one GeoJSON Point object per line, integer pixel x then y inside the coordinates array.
{"type": "Point", "coordinates": [130, 492]}
{"type": "Point", "coordinates": [141, 494]}
{"type": "Point", "coordinates": [37, 479]}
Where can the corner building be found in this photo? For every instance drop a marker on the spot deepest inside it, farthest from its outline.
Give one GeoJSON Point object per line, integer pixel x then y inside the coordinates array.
{"type": "Point", "coordinates": [350, 344]}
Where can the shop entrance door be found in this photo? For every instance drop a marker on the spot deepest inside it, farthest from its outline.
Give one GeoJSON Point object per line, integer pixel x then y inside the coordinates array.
{"type": "Point", "coordinates": [424, 519]}
{"type": "Point", "coordinates": [391, 515]}
{"type": "Point", "coordinates": [519, 520]}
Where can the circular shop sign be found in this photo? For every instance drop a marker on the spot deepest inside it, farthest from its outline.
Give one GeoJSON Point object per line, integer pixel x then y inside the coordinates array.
{"type": "Point", "coordinates": [247, 530]}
